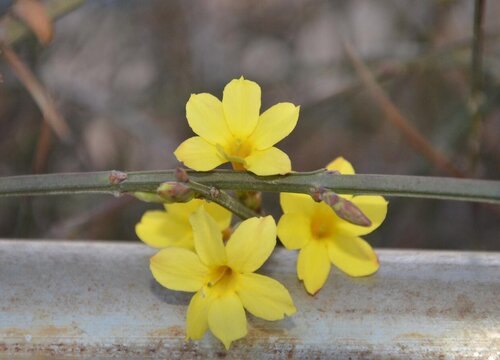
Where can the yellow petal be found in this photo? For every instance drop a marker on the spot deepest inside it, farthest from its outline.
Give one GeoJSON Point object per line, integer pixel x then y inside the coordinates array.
{"type": "Point", "coordinates": [182, 211]}
{"type": "Point", "coordinates": [159, 229]}
{"type": "Point", "coordinates": [274, 125]}
{"type": "Point", "coordinates": [219, 214]}
{"type": "Point", "coordinates": [197, 316]}
{"type": "Point", "coordinates": [251, 244]}
{"type": "Point", "coordinates": [353, 255]}
{"type": "Point", "coordinates": [241, 103]}
{"type": "Point", "coordinates": [374, 207]}
{"type": "Point", "coordinates": [227, 319]}
{"type": "Point", "coordinates": [271, 161]}
{"type": "Point", "coordinates": [207, 238]}
{"type": "Point", "coordinates": [294, 230]}
{"type": "Point", "coordinates": [205, 116]}
{"type": "Point", "coordinates": [199, 154]}
{"type": "Point", "coordinates": [265, 297]}
{"type": "Point", "coordinates": [178, 269]}
{"type": "Point", "coordinates": [341, 165]}
{"type": "Point", "coordinates": [313, 265]}
{"type": "Point", "coordinates": [297, 203]}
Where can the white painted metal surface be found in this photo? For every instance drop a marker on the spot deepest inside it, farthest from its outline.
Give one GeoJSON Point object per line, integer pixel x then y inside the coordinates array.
{"type": "Point", "coordinates": [95, 300]}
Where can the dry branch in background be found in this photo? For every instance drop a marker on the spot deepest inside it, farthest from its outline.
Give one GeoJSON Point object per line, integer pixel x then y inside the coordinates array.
{"type": "Point", "coordinates": [38, 92]}
{"type": "Point", "coordinates": [34, 15]}
{"type": "Point", "coordinates": [395, 116]}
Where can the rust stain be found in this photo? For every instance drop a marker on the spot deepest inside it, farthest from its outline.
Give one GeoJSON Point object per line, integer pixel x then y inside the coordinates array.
{"type": "Point", "coordinates": [264, 332]}
{"type": "Point", "coordinates": [464, 306]}
{"type": "Point", "coordinates": [172, 331]}
{"type": "Point", "coordinates": [59, 331]}
{"type": "Point", "coordinates": [14, 332]}
{"type": "Point", "coordinates": [44, 331]}
{"type": "Point", "coordinates": [413, 335]}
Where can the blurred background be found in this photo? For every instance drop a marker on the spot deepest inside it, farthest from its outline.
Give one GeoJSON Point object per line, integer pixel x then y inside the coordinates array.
{"type": "Point", "coordinates": [119, 73]}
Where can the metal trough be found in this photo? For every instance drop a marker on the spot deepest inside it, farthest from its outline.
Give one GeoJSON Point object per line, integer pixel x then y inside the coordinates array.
{"type": "Point", "coordinates": [98, 300]}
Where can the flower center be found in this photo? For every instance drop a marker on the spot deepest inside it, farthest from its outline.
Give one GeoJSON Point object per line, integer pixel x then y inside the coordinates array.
{"type": "Point", "coordinates": [321, 227]}
{"type": "Point", "coordinates": [222, 279]}
{"type": "Point", "coordinates": [236, 152]}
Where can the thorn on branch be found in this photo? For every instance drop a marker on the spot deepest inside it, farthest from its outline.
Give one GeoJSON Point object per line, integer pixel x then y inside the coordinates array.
{"type": "Point", "coordinates": [181, 175]}
{"type": "Point", "coordinates": [117, 177]}
{"type": "Point", "coordinates": [214, 192]}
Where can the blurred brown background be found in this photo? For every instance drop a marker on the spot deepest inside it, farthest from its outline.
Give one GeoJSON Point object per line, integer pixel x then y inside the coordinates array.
{"type": "Point", "coordinates": [121, 71]}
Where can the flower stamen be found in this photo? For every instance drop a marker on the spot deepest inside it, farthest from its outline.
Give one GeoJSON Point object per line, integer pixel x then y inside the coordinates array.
{"type": "Point", "coordinates": [221, 272]}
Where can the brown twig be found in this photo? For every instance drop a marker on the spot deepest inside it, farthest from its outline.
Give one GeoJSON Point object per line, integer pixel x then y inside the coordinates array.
{"type": "Point", "coordinates": [393, 114]}
{"type": "Point", "coordinates": [34, 15]}
{"type": "Point", "coordinates": [38, 92]}
{"type": "Point", "coordinates": [476, 83]}
{"type": "Point", "coordinates": [42, 149]}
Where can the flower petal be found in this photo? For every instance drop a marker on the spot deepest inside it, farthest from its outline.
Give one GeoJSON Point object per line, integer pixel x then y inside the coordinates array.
{"type": "Point", "coordinates": [274, 124]}
{"type": "Point", "coordinates": [198, 154]}
{"type": "Point", "coordinates": [178, 269]}
{"type": "Point", "coordinates": [241, 103]}
{"type": "Point", "coordinates": [207, 238]}
{"type": "Point", "coordinates": [159, 229]}
{"type": "Point", "coordinates": [297, 203]}
{"type": "Point", "coordinates": [205, 116]}
{"type": "Point", "coordinates": [271, 161]}
{"type": "Point", "coordinates": [182, 211]}
{"type": "Point", "coordinates": [353, 255]}
{"type": "Point", "coordinates": [374, 207]}
{"type": "Point", "coordinates": [197, 316]}
{"type": "Point", "coordinates": [341, 165]}
{"type": "Point", "coordinates": [294, 230]}
{"type": "Point", "coordinates": [227, 319]}
{"type": "Point", "coordinates": [221, 216]}
{"type": "Point", "coordinates": [265, 297]}
{"type": "Point", "coordinates": [251, 244]}
{"type": "Point", "coordinates": [313, 266]}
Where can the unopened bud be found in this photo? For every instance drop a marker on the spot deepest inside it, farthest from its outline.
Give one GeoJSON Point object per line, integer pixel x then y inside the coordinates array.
{"type": "Point", "coordinates": [344, 208]}
{"type": "Point", "coordinates": [251, 199]}
{"type": "Point", "coordinates": [148, 197]}
{"type": "Point", "coordinates": [173, 191]}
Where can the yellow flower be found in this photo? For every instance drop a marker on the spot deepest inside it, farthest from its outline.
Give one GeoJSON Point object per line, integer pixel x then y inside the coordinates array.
{"type": "Point", "coordinates": [223, 277]}
{"type": "Point", "coordinates": [233, 131]}
{"type": "Point", "coordinates": [160, 229]}
{"type": "Point", "coordinates": [324, 238]}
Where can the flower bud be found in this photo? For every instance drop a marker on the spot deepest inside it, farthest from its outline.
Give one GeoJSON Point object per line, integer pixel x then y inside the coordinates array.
{"type": "Point", "coordinates": [251, 199]}
{"type": "Point", "coordinates": [173, 191]}
{"type": "Point", "coordinates": [344, 208]}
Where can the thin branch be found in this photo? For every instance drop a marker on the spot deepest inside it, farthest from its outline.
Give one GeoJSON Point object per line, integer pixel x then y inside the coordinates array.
{"type": "Point", "coordinates": [42, 149]}
{"type": "Point", "coordinates": [393, 114]}
{"type": "Point", "coordinates": [223, 199]}
{"type": "Point", "coordinates": [38, 92]}
{"type": "Point", "coordinates": [476, 82]}
{"type": "Point", "coordinates": [477, 47]}
{"type": "Point", "coordinates": [393, 185]}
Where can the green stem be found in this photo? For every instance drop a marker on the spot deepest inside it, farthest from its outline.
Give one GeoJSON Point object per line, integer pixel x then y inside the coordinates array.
{"type": "Point", "coordinates": [222, 198]}
{"type": "Point", "coordinates": [392, 185]}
